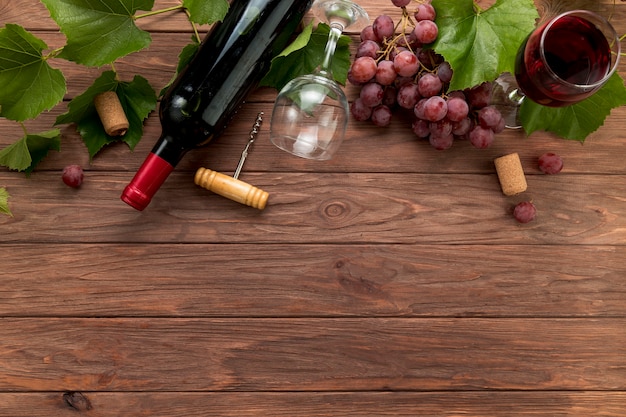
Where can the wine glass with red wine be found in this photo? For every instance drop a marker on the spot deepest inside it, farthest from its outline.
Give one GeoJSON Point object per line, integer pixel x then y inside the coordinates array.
{"type": "Point", "coordinates": [562, 62]}
{"type": "Point", "coordinates": [311, 112]}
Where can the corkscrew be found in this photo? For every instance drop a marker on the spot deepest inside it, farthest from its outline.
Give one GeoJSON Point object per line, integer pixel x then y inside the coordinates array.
{"type": "Point", "coordinates": [232, 187]}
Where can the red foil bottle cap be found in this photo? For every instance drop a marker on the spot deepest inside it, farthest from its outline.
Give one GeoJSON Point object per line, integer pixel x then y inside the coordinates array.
{"type": "Point", "coordinates": [151, 175]}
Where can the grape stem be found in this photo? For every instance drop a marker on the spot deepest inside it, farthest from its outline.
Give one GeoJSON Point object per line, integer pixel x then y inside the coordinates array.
{"type": "Point", "coordinates": [160, 11]}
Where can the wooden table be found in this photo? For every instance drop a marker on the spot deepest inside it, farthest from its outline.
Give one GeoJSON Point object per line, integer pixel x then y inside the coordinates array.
{"type": "Point", "coordinates": [392, 280]}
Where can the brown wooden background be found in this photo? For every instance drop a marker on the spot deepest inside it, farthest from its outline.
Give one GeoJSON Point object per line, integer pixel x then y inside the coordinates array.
{"type": "Point", "coordinates": [390, 281]}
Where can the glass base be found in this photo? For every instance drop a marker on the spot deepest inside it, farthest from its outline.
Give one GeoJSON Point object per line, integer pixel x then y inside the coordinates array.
{"type": "Point", "coordinates": [343, 12]}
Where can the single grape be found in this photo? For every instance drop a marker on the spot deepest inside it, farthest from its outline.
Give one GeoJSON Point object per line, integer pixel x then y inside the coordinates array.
{"type": "Point", "coordinates": [444, 72]}
{"type": "Point", "coordinates": [525, 212]}
{"type": "Point", "coordinates": [421, 128]}
{"type": "Point", "coordinates": [368, 48]}
{"type": "Point", "coordinates": [418, 110]}
{"type": "Point", "coordinates": [489, 117]}
{"type": "Point", "coordinates": [435, 109]}
{"type": "Point", "coordinates": [381, 116]}
{"type": "Point", "coordinates": [441, 128]}
{"type": "Point", "coordinates": [367, 34]}
{"type": "Point", "coordinates": [429, 85]}
{"type": "Point", "coordinates": [441, 143]}
{"type": "Point", "coordinates": [386, 73]}
{"type": "Point", "coordinates": [406, 64]}
{"type": "Point", "coordinates": [479, 96]}
{"type": "Point", "coordinates": [500, 127]}
{"type": "Point", "coordinates": [408, 96]}
{"type": "Point", "coordinates": [401, 3]}
{"type": "Point", "coordinates": [463, 127]}
{"type": "Point", "coordinates": [371, 94]}
{"type": "Point", "coordinates": [550, 163]}
{"type": "Point", "coordinates": [426, 31]}
{"type": "Point", "coordinates": [360, 111]}
{"type": "Point", "coordinates": [458, 109]}
{"type": "Point", "coordinates": [425, 11]}
{"type": "Point", "coordinates": [363, 69]}
{"type": "Point", "coordinates": [480, 137]}
{"type": "Point", "coordinates": [383, 27]}
{"type": "Point", "coordinates": [72, 176]}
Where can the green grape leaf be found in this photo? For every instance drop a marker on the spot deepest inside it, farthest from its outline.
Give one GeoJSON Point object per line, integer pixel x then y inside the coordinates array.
{"type": "Point", "coordinates": [577, 121]}
{"type": "Point", "coordinates": [138, 100]}
{"type": "Point", "coordinates": [4, 202]}
{"type": "Point", "coordinates": [185, 56]}
{"type": "Point", "coordinates": [26, 153]}
{"type": "Point", "coordinates": [481, 44]}
{"type": "Point", "coordinates": [29, 84]}
{"type": "Point", "coordinates": [206, 11]}
{"type": "Point", "coordinates": [305, 54]}
{"type": "Point", "coordinates": [99, 31]}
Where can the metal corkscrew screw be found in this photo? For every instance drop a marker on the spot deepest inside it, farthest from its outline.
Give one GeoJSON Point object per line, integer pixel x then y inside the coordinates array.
{"type": "Point", "coordinates": [231, 187]}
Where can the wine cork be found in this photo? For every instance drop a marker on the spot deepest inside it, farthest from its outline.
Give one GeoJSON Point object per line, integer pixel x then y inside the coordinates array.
{"type": "Point", "coordinates": [511, 174]}
{"type": "Point", "coordinates": [111, 113]}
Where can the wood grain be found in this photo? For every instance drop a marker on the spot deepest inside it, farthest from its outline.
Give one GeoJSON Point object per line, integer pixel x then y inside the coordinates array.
{"type": "Point", "coordinates": [390, 281]}
{"type": "Point", "coordinates": [375, 280]}
{"type": "Point", "coordinates": [350, 404]}
{"type": "Point", "coordinates": [315, 354]}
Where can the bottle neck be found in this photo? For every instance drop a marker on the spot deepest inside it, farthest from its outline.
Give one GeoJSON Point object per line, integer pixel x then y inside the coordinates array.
{"type": "Point", "coordinates": [153, 172]}
{"type": "Point", "coordinates": [170, 149]}
{"type": "Point", "coordinates": [148, 179]}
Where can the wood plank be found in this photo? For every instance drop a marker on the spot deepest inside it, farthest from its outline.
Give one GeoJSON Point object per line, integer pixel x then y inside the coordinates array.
{"type": "Point", "coordinates": [364, 150]}
{"type": "Point", "coordinates": [397, 404]}
{"type": "Point", "coordinates": [320, 208]}
{"type": "Point", "coordinates": [312, 281]}
{"type": "Point", "coordinates": [316, 354]}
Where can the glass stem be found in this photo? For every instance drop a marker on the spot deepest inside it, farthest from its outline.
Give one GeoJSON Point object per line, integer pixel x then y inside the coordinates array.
{"type": "Point", "coordinates": [333, 37]}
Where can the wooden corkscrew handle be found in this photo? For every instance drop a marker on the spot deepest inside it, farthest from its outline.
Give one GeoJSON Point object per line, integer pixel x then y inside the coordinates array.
{"type": "Point", "coordinates": [231, 188]}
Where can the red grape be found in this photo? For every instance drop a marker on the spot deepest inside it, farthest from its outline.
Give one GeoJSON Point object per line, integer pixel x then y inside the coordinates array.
{"type": "Point", "coordinates": [426, 31]}
{"type": "Point", "coordinates": [435, 109]}
{"type": "Point", "coordinates": [550, 163]}
{"type": "Point", "coordinates": [381, 115]}
{"type": "Point", "coordinates": [73, 176]}
{"type": "Point", "coordinates": [363, 69]}
{"type": "Point", "coordinates": [360, 111]}
{"type": "Point", "coordinates": [480, 137]}
{"type": "Point", "coordinates": [406, 64]}
{"type": "Point", "coordinates": [386, 73]}
{"type": "Point", "coordinates": [371, 94]}
{"type": "Point", "coordinates": [425, 11]}
{"type": "Point", "coordinates": [383, 27]}
{"type": "Point", "coordinates": [401, 3]}
{"type": "Point", "coordinates": [429, 85]}
{"type": "Point", "coordinates": [525, 212]}
{"type": "Point", "coordinates": [458, 109]}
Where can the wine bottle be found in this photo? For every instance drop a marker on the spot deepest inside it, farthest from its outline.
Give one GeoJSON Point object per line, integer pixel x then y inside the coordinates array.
{"type": "Point", "coordinates": [232, 59]}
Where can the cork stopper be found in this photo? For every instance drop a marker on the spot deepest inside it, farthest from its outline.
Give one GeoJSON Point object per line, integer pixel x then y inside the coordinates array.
{"type": "Point", "coordinates": [111, 113]}
{"type": "Point", "coordinates": [511, 174]}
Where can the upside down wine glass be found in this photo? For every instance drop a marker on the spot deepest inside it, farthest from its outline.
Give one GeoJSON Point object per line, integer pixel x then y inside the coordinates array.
{"type": "Point", "coordinates": [562, 62]}
{"type": "Point", "coordinates": [311, 111]}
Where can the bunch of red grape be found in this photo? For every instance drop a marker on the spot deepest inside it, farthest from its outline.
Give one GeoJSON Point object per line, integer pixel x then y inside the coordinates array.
{"type": "Point", "coordinates": [395, 69]}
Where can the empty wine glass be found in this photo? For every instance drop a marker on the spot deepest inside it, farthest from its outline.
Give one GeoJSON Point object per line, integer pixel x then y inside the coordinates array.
{"type": "Point", "coordinates": [562, 62]}
{"type": "Point", "coordinates": [311, 112]}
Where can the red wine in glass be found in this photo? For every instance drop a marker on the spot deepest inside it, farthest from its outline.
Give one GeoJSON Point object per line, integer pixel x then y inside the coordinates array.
{"type": "Point", "coordinates": [567, 59]}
